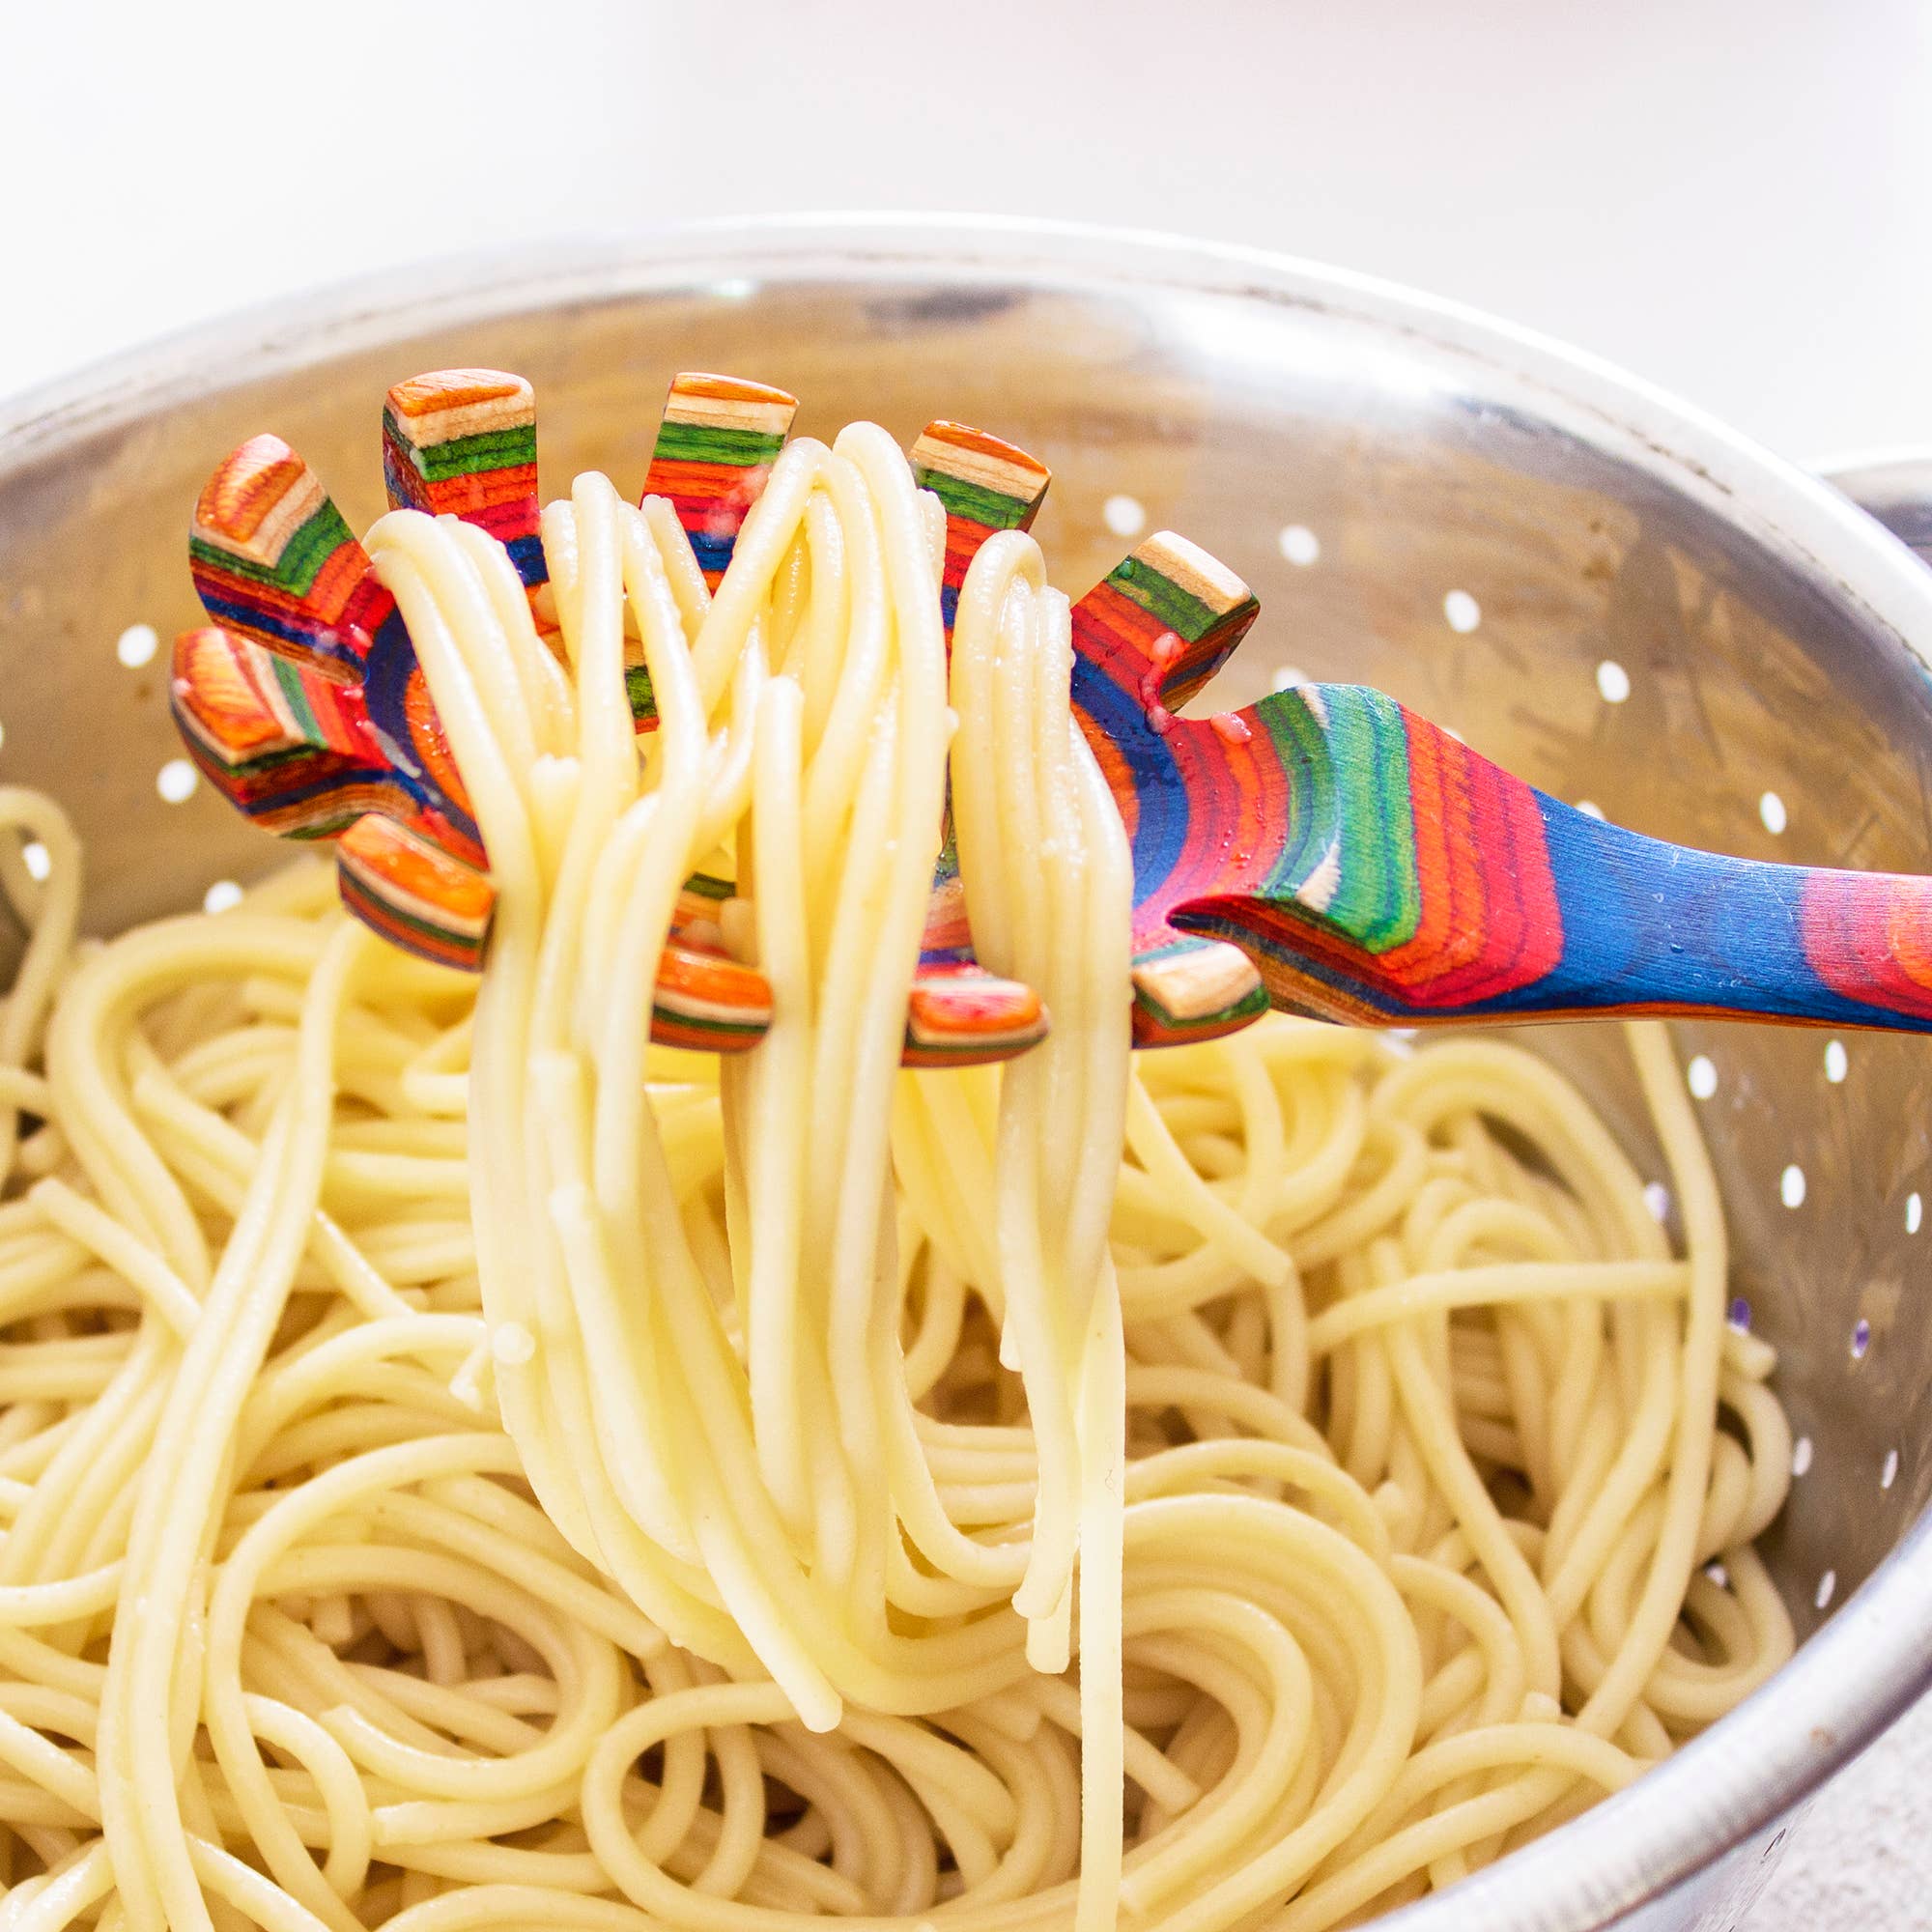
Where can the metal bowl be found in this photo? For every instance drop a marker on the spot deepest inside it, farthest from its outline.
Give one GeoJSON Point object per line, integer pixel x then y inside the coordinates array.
{"type": "Point", "coordinates": [1425, 500]}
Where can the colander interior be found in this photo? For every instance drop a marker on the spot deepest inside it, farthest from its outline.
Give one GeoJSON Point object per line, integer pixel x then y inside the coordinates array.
{"type": "Point", "coordinates": [1579, 603]}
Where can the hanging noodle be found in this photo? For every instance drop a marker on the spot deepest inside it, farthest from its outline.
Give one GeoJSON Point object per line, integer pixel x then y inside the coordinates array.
{"type": "Point", "coordinates": [463, 1466]}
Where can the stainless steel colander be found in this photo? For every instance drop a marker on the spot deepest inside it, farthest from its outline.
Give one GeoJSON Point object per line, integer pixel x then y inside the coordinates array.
{"type": "Point", "coordinates": [1597, 587]}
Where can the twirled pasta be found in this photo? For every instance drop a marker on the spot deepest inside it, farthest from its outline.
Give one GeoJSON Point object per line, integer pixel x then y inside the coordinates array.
{"type": "Point", "coordinates": [464, 1466]}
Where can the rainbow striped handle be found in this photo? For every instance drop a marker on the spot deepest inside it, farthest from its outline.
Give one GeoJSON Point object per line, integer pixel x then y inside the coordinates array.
{"type": "Point", "coordinates": [1371, 867]}
{"type": "Point", "coordinates": [1474, 894]}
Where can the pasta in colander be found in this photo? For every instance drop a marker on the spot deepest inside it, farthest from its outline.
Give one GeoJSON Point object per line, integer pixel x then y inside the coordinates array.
{"type": "Point", "coordinates": [465, 1466]}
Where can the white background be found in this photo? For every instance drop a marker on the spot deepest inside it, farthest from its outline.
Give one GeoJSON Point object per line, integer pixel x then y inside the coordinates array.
{"type": "Point", "coordinates": [1729, 196]}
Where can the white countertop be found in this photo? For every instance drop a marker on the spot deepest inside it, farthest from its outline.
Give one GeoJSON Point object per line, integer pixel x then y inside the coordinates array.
{"type": "Point", "coordinates": [1729, 196]}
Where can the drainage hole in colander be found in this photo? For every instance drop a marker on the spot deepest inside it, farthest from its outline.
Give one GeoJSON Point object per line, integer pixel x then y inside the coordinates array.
{"type": "Point", "coordinates": [176, 781]}
{"type": "Point", "coordinates": [37, 859]}
{"type": "Point", "coordinates": [1836, 1063]}
{"type": "Point", "coordinates": [1701, 1077]}
{"type": "Point", "coordinates": [1915, 1212]}
{"type": "Point", "coordinates": [1739, 1316]}
{"type": "Point", "coordinates": [1860, 1339]}
{"type": "Point", "coordinates": [1888, 1474]}
{"type": "Point", "coordinates": [1124, 516]}
{"type": "Point", "coordinates": [1801, 1455]}
{"type": "Point", "coordinates": [1299, 545]}
{"type": "Point", "coordinates": [1771, 808]}
{"type": "Point", "coordinates": [1828, 1585]}
{"type": "Point", "coordinates": [1590, 809]}
{"type": "Point", "coordinates": [1657, 1198]}
{"type": "Point", "coordinates": [1288, 678]}
{"type": "Point", "coordinates": [220, 895]}
{"type": "Point", "coordinates": [1614, 681]}
{"type": "Point", "coordinates": [1791, 1186]}
{"type": "Point", "coordinates": [1463, 611]}
{"type": "Point", "coordinates": [137, 645]}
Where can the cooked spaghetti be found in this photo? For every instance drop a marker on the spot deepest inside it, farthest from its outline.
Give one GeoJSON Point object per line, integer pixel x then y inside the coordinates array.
{"type": "Point", "coordinates": [463, 1466]}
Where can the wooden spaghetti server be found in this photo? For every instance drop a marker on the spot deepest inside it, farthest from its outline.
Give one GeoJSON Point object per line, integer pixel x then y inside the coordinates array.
{"type": "Point", "coordinates": [1325, 850]}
